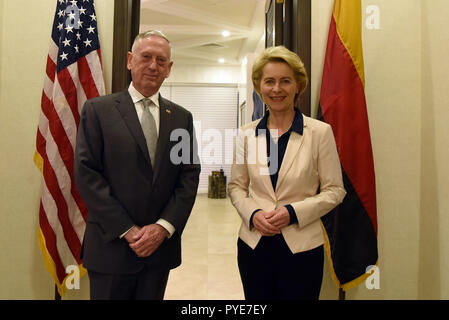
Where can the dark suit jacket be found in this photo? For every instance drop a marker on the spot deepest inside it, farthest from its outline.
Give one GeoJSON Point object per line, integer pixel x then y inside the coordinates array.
{"type": "Point", "coordinates": [119, 187]}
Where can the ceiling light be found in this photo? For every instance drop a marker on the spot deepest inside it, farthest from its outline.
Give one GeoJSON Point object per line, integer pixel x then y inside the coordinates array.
{"type": "Point", "coordinates": [225, 33]}
{"type": "Point", "coordinates": [221, 60]}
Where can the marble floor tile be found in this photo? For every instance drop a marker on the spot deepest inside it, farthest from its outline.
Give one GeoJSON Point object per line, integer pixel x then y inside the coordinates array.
{"type": "Point", "coordinates": [209, 254]}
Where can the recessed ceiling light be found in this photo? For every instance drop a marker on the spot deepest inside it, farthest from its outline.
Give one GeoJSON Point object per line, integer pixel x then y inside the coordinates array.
{"type": "Point", "coordinates": [221, 60]}
{"type": "Point", "coordinates": [225, 33]}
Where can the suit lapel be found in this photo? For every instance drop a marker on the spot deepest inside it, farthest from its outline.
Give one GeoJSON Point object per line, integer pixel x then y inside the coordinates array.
{"type": "Point", "coordinates": [127, 109]}
{"type": "Point", "coordinates": [165, 127]}
{"type": "Point", "coordinates": [291, 153]}
{"type": "Point", "coordinates": [262, 163]}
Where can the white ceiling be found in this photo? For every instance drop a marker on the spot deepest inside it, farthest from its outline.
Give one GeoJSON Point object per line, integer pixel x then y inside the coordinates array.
{"type": "Point", "coordinates": [195, 28]}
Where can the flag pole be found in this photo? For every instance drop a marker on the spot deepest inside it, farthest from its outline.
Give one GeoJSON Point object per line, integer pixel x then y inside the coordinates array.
{"type": "Point", "coordinates": [57, 295]}
{"type": "Point", "coordinates": [341, 294]}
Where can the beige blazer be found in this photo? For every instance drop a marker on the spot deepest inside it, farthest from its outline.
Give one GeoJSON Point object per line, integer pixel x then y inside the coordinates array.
{"type": "Point", "coordinates": [310, 162]}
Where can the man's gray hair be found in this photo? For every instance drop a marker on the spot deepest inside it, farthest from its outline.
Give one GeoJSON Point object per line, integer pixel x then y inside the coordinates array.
{"type": "Point", "coordinates": [147, 34]}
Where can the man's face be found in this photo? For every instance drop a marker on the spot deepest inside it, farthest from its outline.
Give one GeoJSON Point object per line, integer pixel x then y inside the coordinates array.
{"type": "Point", "coordinates": [150, 64]}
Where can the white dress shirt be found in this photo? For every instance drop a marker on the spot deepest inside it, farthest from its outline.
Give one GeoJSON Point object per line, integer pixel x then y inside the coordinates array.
{"type": "Point", "coordinates": [137, 97]}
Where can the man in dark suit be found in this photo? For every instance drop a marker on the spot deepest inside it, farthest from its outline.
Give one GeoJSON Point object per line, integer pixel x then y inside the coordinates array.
{"type": "Point", "coordinates": [138, 197]}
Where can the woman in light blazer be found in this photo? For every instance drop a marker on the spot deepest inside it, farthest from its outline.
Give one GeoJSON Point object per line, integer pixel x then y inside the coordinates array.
{"type": "Point", "coordinates": [285, 176]}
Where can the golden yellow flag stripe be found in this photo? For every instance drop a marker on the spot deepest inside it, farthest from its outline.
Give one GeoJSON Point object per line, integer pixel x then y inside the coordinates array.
{"type": "Point", "coordinates": [348, 18]}
{"type": "Point", "coordinates": [50, 265]}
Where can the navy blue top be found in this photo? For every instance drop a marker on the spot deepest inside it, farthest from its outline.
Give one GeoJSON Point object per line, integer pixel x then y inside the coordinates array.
{"type": "Point", "coordinates": [274, 164]}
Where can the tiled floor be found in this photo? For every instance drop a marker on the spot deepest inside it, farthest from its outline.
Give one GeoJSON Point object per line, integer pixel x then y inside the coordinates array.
{"type": "Point", "coordinates": [209, 251]}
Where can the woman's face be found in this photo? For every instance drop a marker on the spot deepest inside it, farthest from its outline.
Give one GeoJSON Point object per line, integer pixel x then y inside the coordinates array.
{"type": "Point", "coordinates": [278, 86]}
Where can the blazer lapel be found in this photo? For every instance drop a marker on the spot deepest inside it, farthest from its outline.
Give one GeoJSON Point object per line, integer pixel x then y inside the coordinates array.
{"type": "Point", "coordinates": [127, 109]}
{"type": "Point", "coordinates": [262, 164]}
{"type": "Point", "coordinates": [165, 128]}
{"type": "Point", "coordinates": [291, 153]}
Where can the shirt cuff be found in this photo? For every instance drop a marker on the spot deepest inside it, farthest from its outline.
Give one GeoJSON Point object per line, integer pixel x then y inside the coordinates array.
{"type": "Point", "coordinates": [124, 233]}
{"type": "Point", "coordinates": [251, 219]}
{"type": "Point", "coordinates": [293, 217]}
{"type": "Point", "coordinates": [168, 226]}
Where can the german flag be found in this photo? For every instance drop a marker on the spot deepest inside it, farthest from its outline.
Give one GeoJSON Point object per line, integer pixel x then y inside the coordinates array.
{"type": "Point", "coordinates": [351, 228]}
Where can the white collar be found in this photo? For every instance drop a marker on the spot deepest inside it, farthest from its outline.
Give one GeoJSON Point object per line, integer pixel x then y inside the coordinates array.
{"type": "Point", "coordinates": [136, 96]}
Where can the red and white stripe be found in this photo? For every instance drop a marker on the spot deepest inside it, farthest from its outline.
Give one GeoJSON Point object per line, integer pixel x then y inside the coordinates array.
{"type": "Point", "coordinates": [62, 212]}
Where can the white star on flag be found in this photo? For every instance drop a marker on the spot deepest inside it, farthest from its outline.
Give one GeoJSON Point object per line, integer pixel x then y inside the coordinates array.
{"type": "Point", "coordinates": [87, 42]}
{"type": "Point", "coordinates": [64, 56]}
{"type": "Point", "coordinates": [91, 29]}
{"type": "Point", "coordinates": [66, 42]}
{"type": "Point", "coordinates": [69, 29]}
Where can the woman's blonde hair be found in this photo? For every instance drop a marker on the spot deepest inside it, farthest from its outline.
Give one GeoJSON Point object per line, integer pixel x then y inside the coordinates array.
{"type": "Point", "coordinates": [280, 54]}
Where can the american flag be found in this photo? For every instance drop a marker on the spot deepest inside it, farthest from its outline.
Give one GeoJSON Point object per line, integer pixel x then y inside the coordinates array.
{"type": "Point", "coordinates": [73, 75]}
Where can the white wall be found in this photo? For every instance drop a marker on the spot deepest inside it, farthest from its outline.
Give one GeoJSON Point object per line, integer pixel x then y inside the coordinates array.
{"type": "Point", "coordinates": [434, 215]}
{"type": "Point", "coordinates": [214, 110]}
{"type": "Point", "coordinates": [2, 13]}
{"type": "Point", "coordinates": [393, 94]}
{"type": "Point", "coordinates": [204, 74]}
